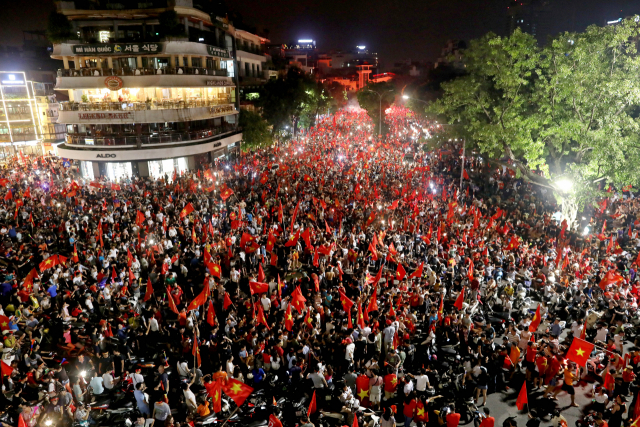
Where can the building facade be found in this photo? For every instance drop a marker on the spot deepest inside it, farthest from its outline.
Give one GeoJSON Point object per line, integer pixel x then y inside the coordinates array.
{"type": "Point", "coordinates": [140, 102]}
{"type": "Point", "coordinates": [19, 126]}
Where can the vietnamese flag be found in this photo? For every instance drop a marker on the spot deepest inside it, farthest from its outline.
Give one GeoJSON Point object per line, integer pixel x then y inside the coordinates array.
{"type": "Point", "coordinates": [610, 278]}
{"type": "Point", "coordinates": [308, 320]}
{"type": "Point", "coordinates": [293, 240]}
{"type": "Point", "coordinates": [211, 314]}
{"type": "Point", "coordinates": [147, 294]}
{"type": "Point", "coordinates": [261, 275]}
{"type": "Point", "coordinates": [186, 210]}
{"type": "Point", "coordinates": [288, 321]}
{"type": "Point", "coordinates": [200, 299]}
{"type": "Point", "coordinates": [459, 300]}
{"type": "Point", "coordinates": [74, 256]}
{"type": "Point", "coordinates": [418, 272]}
{"type": "Point", "coordinates": [522, 397]}
{"type": "Point", "coordinates": [360, 319]}
{"type": "Point", "coordinates": [373, 302]}
{"type": "Point", "coordinates": [237, 391]}
{"type": "Point", "coordinates": [400, 272]}
{"type": "Point", "coordinates": [216, 395]}
{"type": "Point", "coordinates": [226, 193]}
{"type": "Point", "coordinates": [4, 323]}
{"type": "Point", "coordinates": [536, 320]}
{"type": "Point", "coordinates": [172, 303]}
{"type": "Point", "coordinates": [312, 406]}
{"type": "Point", "coordinates": [297, 300]}
{"type": "Point", "coordinates": [214, 269]}
{"type": "Point", "coordinates": [227, 301]}
{"type": "Point", "coordinates": [465, 175]}
{"type": "Point", "coordinates": [261, 318]}
{"type": "Point", "coordinates": [293, 218]}
{"type": "Point", "coordinates": [580, 351]}
{"type": "Point", "coordinates": [362, 389]}
{"type": "Point", "coordinates": [273, 420]}
{"type": "Point", "coordinates": [6, 369]}
{"type": "Point", "coordinates": [258, 288]}
{"type": "Point", "coordinates": [514, 354]}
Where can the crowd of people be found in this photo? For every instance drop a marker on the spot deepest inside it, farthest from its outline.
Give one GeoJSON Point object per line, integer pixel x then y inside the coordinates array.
{"type": "Point", "coordinates": [333, 262]}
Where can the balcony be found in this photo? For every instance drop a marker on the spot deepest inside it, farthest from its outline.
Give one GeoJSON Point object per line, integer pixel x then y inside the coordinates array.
{"type": "Point", "coordinates": [142, 106]}
{"type": "Point", "coordinates": [104, 72]}
{"type": "Point", "coordinates": [155, 138]}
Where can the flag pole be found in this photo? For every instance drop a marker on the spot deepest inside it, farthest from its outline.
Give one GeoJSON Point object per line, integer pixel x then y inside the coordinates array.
{"type": "Point", "coordinates": [231, 415]}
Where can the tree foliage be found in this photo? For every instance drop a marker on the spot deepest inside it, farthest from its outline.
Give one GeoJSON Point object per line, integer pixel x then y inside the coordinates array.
{"type": "Point", "coordinates": [255, 131]}
{"type": "Point", "coordinates": [565, 111]}
{"type": "Point", "coordinates": [294, 100]}
{"type": "Point", "coordinates": [375, 96]}
{"type": "Point", "coordinates": [59, 28]}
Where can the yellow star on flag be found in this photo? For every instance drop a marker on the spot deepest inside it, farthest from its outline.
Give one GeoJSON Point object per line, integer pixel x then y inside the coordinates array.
{"type": "Point", "coordinates": [216, 396]}
{"type": "Point", "coordinates": [4, 323]}
{"type": "Point", "coordinates": [216, 269]}
{"type": "Point", "coordinates": [363, 393]}
{"type": "Point", "coordinates": [580, 352]}
{"type": "Point", "coordinates": [236, 388]}
{"type": "Point", "coordinates": [420, 412]}
{"type": "Point", "coordinates": [289, 317]}
{"type": "Point", "coordinates": [394, 381]}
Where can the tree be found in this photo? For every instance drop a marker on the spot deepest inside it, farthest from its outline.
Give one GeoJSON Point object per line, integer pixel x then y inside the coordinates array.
{"type": "Point", "coordinates": [170, 26]}
{"type": "Point", "coordinates": [561, 115]}
{"type": "Point", "coordinates": [292, 100]}
{"type": "Point", "coordinates": [59, 28]}
{"type": "Point", "coordinates": [255, 131]}
{"type": "Point", "coordinates": [339, 95]}
{"type": "Point", "coordinates": [373, 98]}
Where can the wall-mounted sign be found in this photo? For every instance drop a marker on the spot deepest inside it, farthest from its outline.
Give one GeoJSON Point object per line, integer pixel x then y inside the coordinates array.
{"type": "Point", "coordinates": [219, 109]}
{"type": "Point", "coordinates": [217, 51]}
{"type": "Point", "coordinates": [105, 156]}
{"type": "Point", "coordinates": [101, 116]}
{"type": "Point", "coordinates": [116, 48]}
{"type": "Point", "coordinates": [219, 83]}
{"type": "Point", "coordinates": [113, 82]}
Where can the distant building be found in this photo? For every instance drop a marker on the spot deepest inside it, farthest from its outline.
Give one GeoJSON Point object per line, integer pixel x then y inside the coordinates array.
{"type": "Point", "coordinates": [251, 58]}
{"type": "Point", "coordinates": [451, 55]}
{"type": "Point", "coordinates": [531, 16]}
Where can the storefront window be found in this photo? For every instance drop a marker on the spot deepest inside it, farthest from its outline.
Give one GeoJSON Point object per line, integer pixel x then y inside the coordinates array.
{"type": "Point", "coordinates": [160, 168]}
{"type": "Point", "coordinates": [117, 171]}
{"type": "Point", "coordinates": [86, 168]}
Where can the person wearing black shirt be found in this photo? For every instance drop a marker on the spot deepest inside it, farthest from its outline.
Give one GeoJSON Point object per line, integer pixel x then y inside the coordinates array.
{"type": "Point", "coordinates": [118, 363]}
{"type": "Point", "coordinates": [105, 363]}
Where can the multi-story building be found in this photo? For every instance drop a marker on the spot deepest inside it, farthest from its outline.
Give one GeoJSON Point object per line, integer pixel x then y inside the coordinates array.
{"type": "Point", "coordinates": [251, 58]}
{"type": "Point", "coordinates": [531, 16]}
{"type": "Point", "coordinates": [47, 110]}
{"type": "Point", "coordinates": [144, 100]}
{"type": "Point", "coordinates": [19, 127]}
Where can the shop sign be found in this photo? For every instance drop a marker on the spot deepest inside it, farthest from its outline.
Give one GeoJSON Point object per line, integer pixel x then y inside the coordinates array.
{"type": "Point", "coordinates": [218, 83]}
{"type": "Point", "coordinates": [113, 82]}
{"type": "Point", "coordinates": [116, 48]}
{"type": "Point", "coordinates": [105, 156]}
{"type": "Point", "coordinates": [217, 51]}
{"type": "Point", "coordinates": [220, 109]}
{"type": "Point", "coordinates": [106, 116]}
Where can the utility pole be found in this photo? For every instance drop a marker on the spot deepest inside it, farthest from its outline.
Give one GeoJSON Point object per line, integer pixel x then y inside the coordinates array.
{"type": "Point", "coordinates": [464, 146]}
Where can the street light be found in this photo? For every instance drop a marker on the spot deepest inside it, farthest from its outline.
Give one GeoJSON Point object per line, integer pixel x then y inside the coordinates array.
{"type": "Point", "coordinates": [414, 99]}
{"type": "Point", "coordinates": [379, 96]}
{"type": "Point", "coordinates": [565, 185]}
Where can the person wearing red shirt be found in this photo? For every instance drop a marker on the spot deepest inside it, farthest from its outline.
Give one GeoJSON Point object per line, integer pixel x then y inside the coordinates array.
{"type": "Point", "coordinates": [452, 418]}
{"type": "Point", "coordinates": [409, 409]}
{"type": "Point", "coordinates": [484, 420]}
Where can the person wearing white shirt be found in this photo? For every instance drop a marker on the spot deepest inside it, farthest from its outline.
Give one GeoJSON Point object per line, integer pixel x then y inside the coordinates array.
{"type": "Point", "coordinates": [108, 380]}
{"type": "Point", "coordinates": [266, 303]}
{"type": "Point", "coordinates": [348, 355]}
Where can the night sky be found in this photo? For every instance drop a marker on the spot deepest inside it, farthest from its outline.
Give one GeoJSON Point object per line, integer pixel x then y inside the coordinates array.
{"type": "Point", "coordinates": [396, 29]}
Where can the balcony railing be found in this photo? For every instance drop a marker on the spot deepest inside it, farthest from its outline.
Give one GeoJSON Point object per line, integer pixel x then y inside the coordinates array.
{"type": "Point", "coordinates": [142, 106]}
{"type": "Point", "coordinates": [97, 72]}
{"type": "Point", "coordinates": [156, 138]}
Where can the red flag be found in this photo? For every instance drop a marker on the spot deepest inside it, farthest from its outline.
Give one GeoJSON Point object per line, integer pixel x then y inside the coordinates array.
{"type": "Point", "coordinates": [362, 389]}
{"type": "Point", "coordinates": [226, 193]}
{"type": "Point", "coordinates": [459, 300]}
{"type": "Point", "coordinates": [236, 390]}
{"type": "Point", "coordinates": [211, 314]}
{"type": "Point", "coordinates": [535, 322]}
{"type": "Point", "coordinates": [373, 302]}
{"type": "Point", "coordinates": [21, 422]}
{"type": "Point", "coordinates": [74, 257]}
{"type": "Point", "coordinates": [172, 303]}
{"type": "Point", "coordinates": [293, 218]}
{"type": "Point", "coordinates": [400, 273]}
{"type": "Point", "coordinates": [522, 397]}
{"type": "Point", "coordinates": [293, 240]}
{"type": "Point", "coordinates": [298, 300]}
{"type": "Point", "coordinates": [418, 272]}
{"type": "Point", "coordinates": [6, 369]}
{"type": "Point", "coordinates": [186, 210]}
{"type": "Point", "coordinates": [610, 278]}
{"type": "Point", "coordinates": [312, 405]}
{"type": "Point", "coordinates": [580, 351]}
{"type": "Point", "coordinates": [261, 318]}
{"type": "Point", "coordinates": [274, 421]}
{"type": "Point", "coordinates": [465, 175]}
{"type": "Point", "coordinates": [360, 319]}
{"type": "Point", "coordinates": [195, 350]}
{"type": "Point", "coordinates": [147, 294]}
{"type": "Point", "coordinates": [258, 288]}
{"type": "Point", "coordinates": [288, 321]}
{"type": "Point", "coordinates": [201, 298]}
{"type": "Point", "coordinates": [216, 396]}
{"type": "Point", "coordinates": [227, 301]}
{"type": "Point", "coordinates": [261, 275]}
